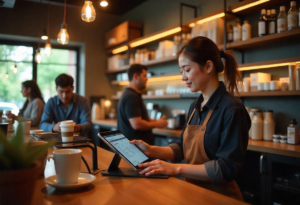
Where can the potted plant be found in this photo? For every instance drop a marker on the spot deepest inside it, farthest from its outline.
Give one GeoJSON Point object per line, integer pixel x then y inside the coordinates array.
{"type": "Point", "coordinates": [18, 168]}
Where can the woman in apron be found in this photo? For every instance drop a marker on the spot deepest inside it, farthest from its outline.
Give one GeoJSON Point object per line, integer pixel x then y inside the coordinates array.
{"type": "Point", "coordinates": [215, 137]}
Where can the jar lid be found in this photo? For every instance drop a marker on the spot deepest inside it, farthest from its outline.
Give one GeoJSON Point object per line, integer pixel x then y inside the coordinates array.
{"type": "Point", "coordinates": [269, 110]}
{"type": "Point", "coordinates": [293, 122]}
{"type": "Point", "coordinates": [256, 111]}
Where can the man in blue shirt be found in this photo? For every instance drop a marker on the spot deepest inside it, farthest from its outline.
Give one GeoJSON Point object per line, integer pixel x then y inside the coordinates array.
{"type": "Point", "coordinates": [66, 106]}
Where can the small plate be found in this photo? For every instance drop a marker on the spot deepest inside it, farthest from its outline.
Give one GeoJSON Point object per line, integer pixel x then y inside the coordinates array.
{"type": "Point", "coordinates": [35, 131]}
{"type": "Point", "coordinates": [84, 179]}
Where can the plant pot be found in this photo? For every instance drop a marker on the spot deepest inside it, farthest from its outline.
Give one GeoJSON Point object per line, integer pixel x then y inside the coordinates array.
{"type": "Point", "coordinates": [17, 186]}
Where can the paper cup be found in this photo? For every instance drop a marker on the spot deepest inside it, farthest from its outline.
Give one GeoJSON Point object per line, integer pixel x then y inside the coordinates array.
{"type": "Point", "coordinates": [67, 130]}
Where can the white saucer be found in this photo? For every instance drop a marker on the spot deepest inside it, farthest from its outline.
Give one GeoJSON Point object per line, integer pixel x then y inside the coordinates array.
{"type": "Point", "coordinates": [84, 179]}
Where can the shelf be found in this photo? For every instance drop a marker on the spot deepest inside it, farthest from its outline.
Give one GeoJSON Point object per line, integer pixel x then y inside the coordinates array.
{"type": "Point", "coordinates": [264, 40]}
{"type": "Point", "coordinates": [269, 93]}
{"type": "Point", "coordinates": [268, 64]}
{"type": "Point", "coordinates": [146, 97]}
{"type": "Point", "coordinates": [286, 188]}
{"type": "Point", "coordinates": [150, 62]}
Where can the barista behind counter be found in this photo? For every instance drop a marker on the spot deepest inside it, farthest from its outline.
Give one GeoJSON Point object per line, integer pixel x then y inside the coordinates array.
{"type": "Point", "coordinates": [132, 117]}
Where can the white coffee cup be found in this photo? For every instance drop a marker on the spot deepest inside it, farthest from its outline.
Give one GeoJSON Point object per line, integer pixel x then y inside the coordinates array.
{"type": "Point", "coordinates": [26, 125]}
{"type": "Point", "coordinates": [67, 165]}
{"type": "Point", "coordinates": [67, 130]}
{"type": "Point", "coordinates": [266, 86]}
{"type": "Point", "coordinates": [260, 87]}
{"type": "Point", "coordinates": [275, 85]}
{"type": "Point", "coordinates": [171, 123]}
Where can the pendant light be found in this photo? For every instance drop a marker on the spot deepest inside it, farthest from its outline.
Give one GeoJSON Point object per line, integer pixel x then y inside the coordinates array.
{"type": "Point", "coordinates": [44, 35]}
{"type": "Point", "coordinates": [6, 75]}
{"type": "Point", "coordinates": [48, 47]}
{"type": "Point", "coordinates": [38, 56]}
{"type": "Point", "coordinates": [88, 13]}
{"type": "Point", "coordinates": [63, 36]}
{"type": "Point", "coordinates": [104, 3]}
{"type": "Point", "coordinates": [15, 69]}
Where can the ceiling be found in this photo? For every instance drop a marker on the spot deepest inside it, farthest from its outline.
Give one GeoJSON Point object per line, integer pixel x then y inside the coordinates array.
{"type": "Point", "coordinates": [117, 7]}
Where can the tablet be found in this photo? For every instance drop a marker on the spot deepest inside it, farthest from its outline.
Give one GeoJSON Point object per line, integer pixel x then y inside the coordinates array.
{"type": "Point", "coordinates": [120, 144]}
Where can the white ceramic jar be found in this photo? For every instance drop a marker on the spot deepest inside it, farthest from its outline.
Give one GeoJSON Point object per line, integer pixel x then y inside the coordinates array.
{"type": "Point", "coordinates": [269, 126]}
{"type": "Point", "coordinates": [257, 126]}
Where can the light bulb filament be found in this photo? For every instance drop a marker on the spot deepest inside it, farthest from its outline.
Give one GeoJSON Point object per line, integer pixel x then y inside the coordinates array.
{"type": "Point", "coordinates": [88, 12]}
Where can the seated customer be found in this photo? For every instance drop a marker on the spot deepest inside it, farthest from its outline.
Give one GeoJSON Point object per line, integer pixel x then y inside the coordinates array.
{"type": "Point", "coordinates": [66, 106]}
{"type": "Point", "coordinates": [34, 105]}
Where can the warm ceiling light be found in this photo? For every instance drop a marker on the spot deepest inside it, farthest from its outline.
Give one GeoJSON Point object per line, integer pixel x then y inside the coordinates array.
{"type": "Point", "coordinates": [63, 36]}
{"type": "Point", "coordinates": [155, 37]}
{"type": "Point", "coordinates": [119, 50]}
{"type": "Point", "coordinates": [104, 3]}
{"type": "Point", "coordinates": [48, 48]}
{"type": "Point", "coordinates": [156, 79]}
{"type": "Point", "coordinates": [6, 75]}
{"type": "Point", "coordinates": [249, 5]}
{"type": "Point", "coordinates": [88, 13]}
{"type": "Point", "coordinates": [211, 18]}
{"type": "Point", "coordinates": [264, 66]}
{"type": "Point", "coordinates": [192, 25]}
{"type": "Point", "coordinates": [44, 36]}
{"type": "Point", "coordinates": [38, 56]}
{"type": "Point", "coordinates": [15, 69]}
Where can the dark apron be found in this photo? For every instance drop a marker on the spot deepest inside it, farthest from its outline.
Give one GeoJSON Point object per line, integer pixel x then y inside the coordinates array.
{"type": "Point", "coordinates": [194, 153]}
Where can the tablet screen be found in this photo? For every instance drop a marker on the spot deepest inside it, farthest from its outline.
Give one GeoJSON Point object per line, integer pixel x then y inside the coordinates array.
{"type": "Point", "coordinates": [130, 151]}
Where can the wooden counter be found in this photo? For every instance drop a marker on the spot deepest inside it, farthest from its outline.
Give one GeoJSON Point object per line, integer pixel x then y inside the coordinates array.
{"type": "Point", "coordinates": [123, 190]}
{"type": "Point", "coordinates": [288, 150]}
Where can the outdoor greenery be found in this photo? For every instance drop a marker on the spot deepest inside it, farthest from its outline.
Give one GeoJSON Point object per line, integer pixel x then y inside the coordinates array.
{"type": "Point", "coordinates": [61, 61]}
{"type": "Point", "coordinates": [15, 154]}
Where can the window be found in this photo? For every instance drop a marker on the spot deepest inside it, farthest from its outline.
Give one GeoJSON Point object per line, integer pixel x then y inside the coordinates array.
{"type": "Point", "coordinates": [60, 61]}
{"type": "Point", "coordinates": [11, 78]}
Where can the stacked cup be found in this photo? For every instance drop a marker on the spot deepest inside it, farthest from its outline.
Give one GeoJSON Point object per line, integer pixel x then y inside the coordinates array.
{"type": "Point", "coordinates": [67, 130]}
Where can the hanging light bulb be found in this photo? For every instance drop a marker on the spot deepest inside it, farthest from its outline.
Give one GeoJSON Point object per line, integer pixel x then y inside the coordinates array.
{"type": "Point", "coordinates": [38, 56]}
{"type": "Point", "coordinates": [6, 75]}
{"type": "Point", "coordinates": [104, 3]}
{"type": "Point", "coordinates": [44, 36]}
{"type": "Point", "coordinates": [12, 67]}
{"type": "Point", "coordinates": [15, 69]}
{"type": "Point", "coordinates": [63, 36]}
{"type": "Point", "coordinates": [48, 48]}
{"type": "Point", "coordinates": [88, 13]}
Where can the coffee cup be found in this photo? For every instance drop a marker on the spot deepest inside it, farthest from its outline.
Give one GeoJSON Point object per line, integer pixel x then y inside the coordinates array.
{"type": "Point", "coordinates": [4, 128]}
{"type": "Point", "coordinates": [67, 165]}
{"type": "Point", "coordinates": [35, 145]}
{"type": "Point", "coordinates": [67, 130]}
{"type": "Point", "coordinates": [26, 125]}
{"type": "Point", "coordinates": [171, 123]}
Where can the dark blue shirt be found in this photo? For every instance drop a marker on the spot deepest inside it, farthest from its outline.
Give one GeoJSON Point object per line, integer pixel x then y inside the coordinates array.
{"type": "Point", "coordinates": [79, 111]}
{"type": "Point", "coordinates": [226, 136]}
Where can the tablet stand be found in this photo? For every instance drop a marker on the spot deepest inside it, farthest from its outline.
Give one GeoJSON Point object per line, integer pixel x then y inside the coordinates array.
{"type": "Point", "coordinates": [115, 170]}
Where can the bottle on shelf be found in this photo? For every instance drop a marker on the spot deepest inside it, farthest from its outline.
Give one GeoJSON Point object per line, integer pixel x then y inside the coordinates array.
{"type": "Point", "coordinates": [230, 34]}
{"type": "Point", "coordinates": [269, 126]}
{"type": "Point", "coordinates": [292, 16]}
{"type": "Point", "coordinates": [257, 126]}
{"type": "Point", "coordinates": [175, 47]}
{"type": "Point", "coordinates": [262, 24]}
{"type": "Point", "coordinates": [131, 59]}
{"type": "Point", "coordinates": [246, 29]}
{"type": "Point", "coordinates": [299, 17]}
{"type": "Point", "coordinates": [237, 31]}
{"type": "Point", "coordinates": [293, 132]}
{"type": "Point", "coordinates": [292, 76]}
{"type": "Point", "coordinates": [281, 20]}
{"type": "Point", "coordinates": [298, 76]}
{"type": "Point", "coordinates": [272, 22]}
{"type": "Point", "coordinates": [137, 56]}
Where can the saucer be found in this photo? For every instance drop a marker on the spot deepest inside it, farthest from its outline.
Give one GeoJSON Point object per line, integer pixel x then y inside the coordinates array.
{"type": "Point", "coordinates": [84, 179]}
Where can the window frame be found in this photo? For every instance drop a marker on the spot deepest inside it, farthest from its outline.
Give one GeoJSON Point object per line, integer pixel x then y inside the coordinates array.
{"type": "Point", "coordinates": [34, 45]}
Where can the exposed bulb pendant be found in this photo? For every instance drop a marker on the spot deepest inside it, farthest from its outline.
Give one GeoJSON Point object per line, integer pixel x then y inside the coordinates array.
{"type": "Point", "coordinates": [48, 48]}
{"type": "Point", "coordinates": [88, 13]}
{"type": "Point", "coordinates": [63, 36]}
{"type": "Point", "coordinates": [44, 36]}
{"type": "Point", "coordinates": [38, 56]}
{"type": "Point", "coordinates": [104, 3]}
{"type": "Point", "coordinates": [15, 69]}
{"type": "Point", "coordinates": [6, 75]}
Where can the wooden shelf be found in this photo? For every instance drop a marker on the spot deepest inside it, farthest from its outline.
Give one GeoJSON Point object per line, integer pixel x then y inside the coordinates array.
{"type": "Point", "coordinates": [269, 93]}
{"type": "Point", "coordinates": [146, 97]}
{"type": "Point", "coordinates": [151, 62]}
{"type": "Point", "coordinates": [265, 40]}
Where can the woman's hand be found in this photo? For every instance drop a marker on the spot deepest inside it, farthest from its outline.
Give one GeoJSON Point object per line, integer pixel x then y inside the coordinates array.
{"type": "Point", "coordinates": [159, 167]}
{"type": "Point", "coordinates": [12, 116]}
{"type": "Point", "coordinates": [142, 145]}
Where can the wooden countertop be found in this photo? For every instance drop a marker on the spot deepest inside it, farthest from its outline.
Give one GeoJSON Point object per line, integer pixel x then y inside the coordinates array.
{"type": "Point", "coordinates": [288, 150]}
{"type": "Point", "coordinates": [125, 190]}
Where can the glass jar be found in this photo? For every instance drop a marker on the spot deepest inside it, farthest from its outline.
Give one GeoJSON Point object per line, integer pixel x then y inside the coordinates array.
{"type": "Point", "coordinates": [257, 126]}
{"type": "Point", "coordinates": [269, 126]}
